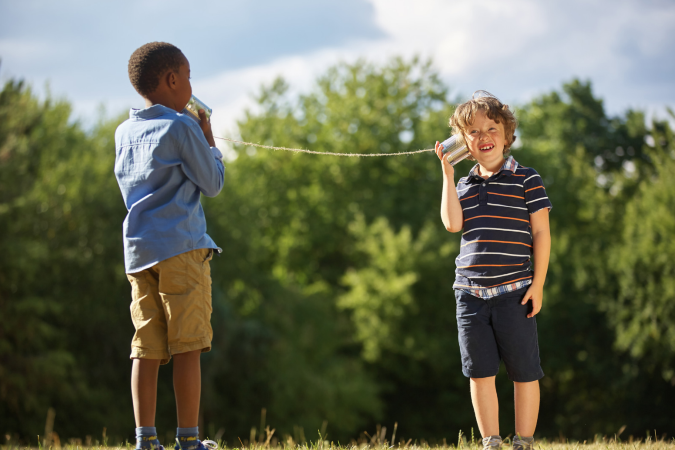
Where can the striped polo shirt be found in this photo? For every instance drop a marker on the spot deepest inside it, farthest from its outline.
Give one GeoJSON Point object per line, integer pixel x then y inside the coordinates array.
{"type": "Point", "coordinates": [496, 248]}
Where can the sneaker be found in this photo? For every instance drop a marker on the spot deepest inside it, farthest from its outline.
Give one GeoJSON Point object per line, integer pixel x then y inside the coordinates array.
{"type": "Point", "coordinates": [194, 444]}
{"type": "Point", "coordinates": [521, 443]}
{"type": "Point", "coordinates": [152, 447]}
{"type": "Point", "coordinates": [492, 443]}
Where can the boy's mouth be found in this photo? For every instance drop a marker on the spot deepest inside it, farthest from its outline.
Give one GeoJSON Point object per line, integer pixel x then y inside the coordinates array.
{"type": "Point", "coordinates": [486, 147]}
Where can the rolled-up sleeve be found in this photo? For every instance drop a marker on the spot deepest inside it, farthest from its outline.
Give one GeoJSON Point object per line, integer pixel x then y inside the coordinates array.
{"type": "Point", "coordinates": [202, 164]}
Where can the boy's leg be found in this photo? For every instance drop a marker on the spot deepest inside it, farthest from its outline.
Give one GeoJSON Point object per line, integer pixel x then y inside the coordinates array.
{"type": "Point", "coordinates": [518, 345]}
{"type": "Point", "coordinates": [480, 359]}
{"type": "Point", "coordinates": [527, 407]}
{"type": "Point", "coordinates": [187, 384]}
{"type": "Point", "coordinates": [144, 395]}
{"type": "Point", "coordinates": [185, 288]}
{"type": "Point", "coordinates": [485, 405]}
{"type": "Point", "coordinates": [144, 390]}
{"type": "Point", "coordinates": [149, 349]}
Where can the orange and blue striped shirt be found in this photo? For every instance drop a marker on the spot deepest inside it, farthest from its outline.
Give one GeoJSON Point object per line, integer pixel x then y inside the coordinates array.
{"type": "Point", "coordinates": [496, 247]}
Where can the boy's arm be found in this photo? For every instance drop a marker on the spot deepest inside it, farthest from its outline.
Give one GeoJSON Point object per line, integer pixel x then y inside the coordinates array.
{"type": "Point", "coordinates": [541, 242]}
{"type": "Point", "coordinates": [451, 210]}
{"type": "Point", "coordinates": [202, 161]}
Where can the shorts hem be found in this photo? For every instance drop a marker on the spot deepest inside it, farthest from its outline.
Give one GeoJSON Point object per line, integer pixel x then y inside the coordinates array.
{"type": "Point", "coordinates": [137, 353]}
{"type": "Point", "coordinates": [526, 377]}
{"type": "Point", "coordinates": [471, 373]}
{"type": "Point", "coordinates": [203, 344]}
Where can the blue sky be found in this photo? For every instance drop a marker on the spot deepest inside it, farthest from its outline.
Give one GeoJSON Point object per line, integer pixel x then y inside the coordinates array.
{"type": "Point", "coordinates": [516, 49]}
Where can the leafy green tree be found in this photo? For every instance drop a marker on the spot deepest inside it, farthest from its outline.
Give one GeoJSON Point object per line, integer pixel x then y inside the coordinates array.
{"type": "Point", "coordinates": [333, 299]}
{"type": "Point", "coordinates": [285, 217]}
{"type": "Point", "coordinates": [644, 309]}
{"type": "Point", "coordinates": [64, 321]}
{"type": "Point", "coordinates": [59, 274]}
{"type": "Point", "coordinates": [592, 384]}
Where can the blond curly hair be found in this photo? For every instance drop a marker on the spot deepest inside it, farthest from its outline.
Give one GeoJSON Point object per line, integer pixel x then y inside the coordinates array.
{"type": "Point", "coordinates": [493, 108]}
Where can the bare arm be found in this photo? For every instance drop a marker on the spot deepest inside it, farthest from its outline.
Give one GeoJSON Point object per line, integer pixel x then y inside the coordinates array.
{"type": "Point", "coordinates": [451, 210]}
{"type": "Point", "coordinates": [541, 241]}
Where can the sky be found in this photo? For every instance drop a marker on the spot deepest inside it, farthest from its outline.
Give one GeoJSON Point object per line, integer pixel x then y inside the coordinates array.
{"type": "Point", "coordinates": [516, 49]}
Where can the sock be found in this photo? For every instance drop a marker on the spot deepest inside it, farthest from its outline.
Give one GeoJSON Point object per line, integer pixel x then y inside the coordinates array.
{"type": "Point", "coordinates": [188, 437]}
{"type": "Point", "coordinates": [194, 431]}
{"type": "Point", "coordinates": [146, 438]}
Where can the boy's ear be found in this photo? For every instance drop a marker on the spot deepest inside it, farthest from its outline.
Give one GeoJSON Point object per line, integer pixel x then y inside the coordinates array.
{"type": "Point", "coordinates": [168, 80]}
{"type": "Point", "coordinates": [171, 79]}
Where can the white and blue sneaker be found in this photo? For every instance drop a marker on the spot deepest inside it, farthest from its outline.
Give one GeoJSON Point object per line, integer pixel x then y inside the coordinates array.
{"type": "Point", "coordinates": [193, 443]}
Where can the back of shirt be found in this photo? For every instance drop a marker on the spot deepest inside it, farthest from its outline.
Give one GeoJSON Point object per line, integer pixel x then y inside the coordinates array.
{"type": "Point", "coordinates": [162, 165]}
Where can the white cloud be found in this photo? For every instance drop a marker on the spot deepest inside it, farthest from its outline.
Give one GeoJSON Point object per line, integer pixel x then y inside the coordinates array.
{"type": "Point", "coordinates": [231, 92]}
{"type": "Point", "coordinates": [515, 49]}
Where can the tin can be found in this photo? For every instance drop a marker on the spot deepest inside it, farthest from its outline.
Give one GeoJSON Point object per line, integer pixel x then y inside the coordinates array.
{"type": "Point", "coordinates": [193, 107]}
{"type": "Point", "coordinates": [455, 149]}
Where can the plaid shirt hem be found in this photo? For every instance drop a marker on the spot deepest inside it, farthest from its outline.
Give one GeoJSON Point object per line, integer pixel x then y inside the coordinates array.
{"type": "Point", "coordinates": [486, 293]}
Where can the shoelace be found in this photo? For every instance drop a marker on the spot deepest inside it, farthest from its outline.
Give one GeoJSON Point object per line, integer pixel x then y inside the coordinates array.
{"type": "Point", "coordinates": [211, 445]}
{"type": "Point", "coordinates": [492, 442]}
{"type": "Point", "coordinates": [521, 443]}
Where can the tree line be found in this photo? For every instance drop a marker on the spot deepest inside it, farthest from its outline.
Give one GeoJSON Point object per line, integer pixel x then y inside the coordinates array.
{"type": "Point", "coordinates": [333, 300]}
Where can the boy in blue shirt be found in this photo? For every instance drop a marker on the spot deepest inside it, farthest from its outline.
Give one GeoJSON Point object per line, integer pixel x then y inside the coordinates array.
{"type": "Point", "coordinates": [164, 161]}
{"type": "Point", "coordinates": [503, 209]}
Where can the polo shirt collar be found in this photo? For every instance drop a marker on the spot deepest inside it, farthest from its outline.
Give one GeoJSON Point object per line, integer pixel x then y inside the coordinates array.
{"type": "Point", "coordinates": [510, 165]}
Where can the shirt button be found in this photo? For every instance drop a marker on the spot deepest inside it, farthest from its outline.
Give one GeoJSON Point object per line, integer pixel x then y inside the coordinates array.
{"type": "Point", "coordinates": [483, 184]}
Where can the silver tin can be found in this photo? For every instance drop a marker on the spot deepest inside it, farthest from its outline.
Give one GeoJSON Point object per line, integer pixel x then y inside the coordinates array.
{"type": "Point", "coordinates": [455, 149]}
{"type": "Point", "coordinates": [193, 107]}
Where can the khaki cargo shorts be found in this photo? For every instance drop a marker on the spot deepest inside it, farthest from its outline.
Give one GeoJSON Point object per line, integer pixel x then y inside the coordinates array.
{"type": "Point", "coordinates": [171, 306]}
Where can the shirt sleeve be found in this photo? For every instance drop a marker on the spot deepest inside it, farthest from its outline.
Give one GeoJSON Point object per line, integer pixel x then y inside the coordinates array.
{"type": "Point", "coordinates": [202, 164]}
{"type": "Point", "coordinates": [535, 193]}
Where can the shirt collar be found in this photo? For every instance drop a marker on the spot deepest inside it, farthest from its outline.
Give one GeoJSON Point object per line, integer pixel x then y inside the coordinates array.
{"type": "Point", "coordinates": [150, 112]}
{"type": "Point", "coordinates": [510, 165]}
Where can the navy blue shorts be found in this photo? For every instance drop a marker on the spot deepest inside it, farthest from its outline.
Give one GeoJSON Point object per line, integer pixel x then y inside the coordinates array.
{"type": "Point", "coordinates": [495, 329]}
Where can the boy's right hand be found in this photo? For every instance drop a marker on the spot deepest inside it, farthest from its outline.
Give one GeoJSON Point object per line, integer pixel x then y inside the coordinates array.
{"type": "Point", "coordinates": [205, 125]}
{"type": "Point", "coordinates": [448, 168]}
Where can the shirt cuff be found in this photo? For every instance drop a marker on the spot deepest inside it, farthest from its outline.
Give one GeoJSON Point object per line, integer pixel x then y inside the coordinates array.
{"type": "Point", "coordinates": [216, 153]}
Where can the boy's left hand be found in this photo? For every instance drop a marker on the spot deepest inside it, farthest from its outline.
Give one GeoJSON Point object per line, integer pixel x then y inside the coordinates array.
{"type": "Point", "coordinates": [536, 294]}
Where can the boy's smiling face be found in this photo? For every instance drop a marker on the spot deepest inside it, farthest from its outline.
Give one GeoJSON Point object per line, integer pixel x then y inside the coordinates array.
{"type": "Point", "coordinates": [485, 140]}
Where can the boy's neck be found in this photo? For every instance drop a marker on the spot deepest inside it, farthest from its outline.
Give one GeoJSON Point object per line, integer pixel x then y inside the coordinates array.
{"type": "Point", "coordinates": [487, 172]}
{"type": "Point", "coordinates": [164, 102]}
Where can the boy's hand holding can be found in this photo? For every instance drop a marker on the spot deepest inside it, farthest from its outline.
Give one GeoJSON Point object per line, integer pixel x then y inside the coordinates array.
{"type": "Point", "coordinates": [448, 169]}
{"type": "Point", "coordinates": [205, 125]}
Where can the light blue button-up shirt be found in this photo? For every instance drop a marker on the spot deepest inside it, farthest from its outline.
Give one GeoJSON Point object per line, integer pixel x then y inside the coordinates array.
{"type": "Point", "coordinates": [162, 165]}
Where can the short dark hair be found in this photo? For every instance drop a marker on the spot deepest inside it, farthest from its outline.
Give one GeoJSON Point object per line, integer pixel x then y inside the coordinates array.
{"type": "Point", "coordinates": [149, 62]}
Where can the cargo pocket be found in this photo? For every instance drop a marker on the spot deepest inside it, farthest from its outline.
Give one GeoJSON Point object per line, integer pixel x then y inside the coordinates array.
{"type": "Point", "coordinates": [209, 255]}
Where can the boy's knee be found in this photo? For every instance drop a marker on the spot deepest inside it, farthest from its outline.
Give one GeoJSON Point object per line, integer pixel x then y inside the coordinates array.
{"type": "Point", "coordinates": [192, 354]}
{"type": "Point", "coordinates": [483, 380]}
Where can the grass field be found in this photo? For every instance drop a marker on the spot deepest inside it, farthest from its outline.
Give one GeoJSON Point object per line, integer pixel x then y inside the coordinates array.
{"type": "Point", "coordinates": [600, 444]}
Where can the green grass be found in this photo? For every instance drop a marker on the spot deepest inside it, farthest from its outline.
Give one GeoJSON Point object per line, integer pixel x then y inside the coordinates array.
{"type": "Point", "coordinates": [462, 444]}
